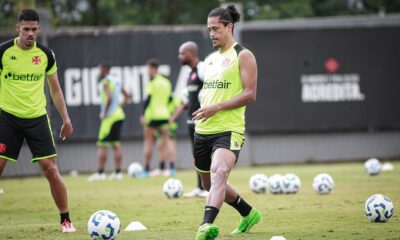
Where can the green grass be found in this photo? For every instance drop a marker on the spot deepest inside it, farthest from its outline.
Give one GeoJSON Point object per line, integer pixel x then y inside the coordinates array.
{"type": "Point", "coordinates": [27, 210]}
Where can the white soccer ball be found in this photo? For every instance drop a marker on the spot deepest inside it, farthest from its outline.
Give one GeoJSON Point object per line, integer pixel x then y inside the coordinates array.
{"type": "Point", "coordinates": [275, 183]}
{"type": "Point", "coordinates": [373, 166]}
{"type": "Point", "coordinates": [291, 183]}
{"type": "Point", "coordinates": [378, 208]}
{"type": "Point", "coordinates": [323, 183]}
{"type": "Point", "coordinates": [173, 188]}
{"type": "Point", "coordinates": [134, 169]}
{"type": "Point", "coordinates": [103, 224]}
{"type": "Point", "coordinates": [258, 183]}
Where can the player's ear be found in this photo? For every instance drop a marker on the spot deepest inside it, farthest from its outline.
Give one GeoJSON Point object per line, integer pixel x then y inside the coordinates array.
{"type": "Point", "coordinates": [17, 27]}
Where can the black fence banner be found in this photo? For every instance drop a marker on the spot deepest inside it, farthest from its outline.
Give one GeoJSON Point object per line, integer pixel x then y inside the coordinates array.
{"type": "Point", "coordinates": [79, 55]}
{"type": "Point", "coordinates": [325, 79]}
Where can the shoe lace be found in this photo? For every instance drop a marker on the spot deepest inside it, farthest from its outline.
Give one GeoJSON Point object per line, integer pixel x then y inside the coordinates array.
{"type": "Point", "coordinates": [66, 223]}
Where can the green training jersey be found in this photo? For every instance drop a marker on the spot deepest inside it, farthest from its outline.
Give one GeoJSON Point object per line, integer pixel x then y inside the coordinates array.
{"type": "Point", "coordinates": [222, 82]}
{"type": "Point", "coordinates": [159, 91]}
{"type": "Point", "coordinates": [22, 77]}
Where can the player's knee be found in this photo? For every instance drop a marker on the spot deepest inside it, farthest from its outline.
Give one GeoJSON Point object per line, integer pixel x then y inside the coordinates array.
{"type": "Point", "coordinates": [50, 171]}
{"type": "Point", "coordinates": [219, 172]}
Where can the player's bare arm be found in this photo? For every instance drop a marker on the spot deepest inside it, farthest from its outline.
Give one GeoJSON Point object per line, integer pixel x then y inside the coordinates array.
{"type": "Point", "coordinates": [248, 74]}
{"type": "Point", "coordinates": [58, 100]}
{"type": "Point", "coordinates": [107, 90]}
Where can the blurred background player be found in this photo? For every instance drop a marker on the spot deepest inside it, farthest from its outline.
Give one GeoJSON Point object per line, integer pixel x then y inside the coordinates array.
{"type": "Point", "coordinates": [112, 117]}
{"type": "Point", "coordinates": [23, 112]}
{"type": "Point", "coordinates": [188, 55]}
{"type": "Point", "coordinates": [164, 150]}
{"type": "Point", "coordinates": [230, 83]}
{"type": "Point", "coordinates": [156, 113]}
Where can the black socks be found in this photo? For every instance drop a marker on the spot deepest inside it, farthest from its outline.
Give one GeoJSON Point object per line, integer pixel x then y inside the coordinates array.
{"type": "Point", "coordinates": [64, 216]}
{"type": "Point", "coordinates": [210, 213]}
{"type": "Point", "coordinates": [241, 206]}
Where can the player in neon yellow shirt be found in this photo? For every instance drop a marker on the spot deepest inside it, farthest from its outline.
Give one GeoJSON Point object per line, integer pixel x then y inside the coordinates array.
{"type": "Point", "coordinates": [112, 117]}
{"type": "Point", "coordinates": [230, 83]}
{"type": "Point", "coordinates": [24, 66]}
{"type": "Point", "coordinates": [155, 113]}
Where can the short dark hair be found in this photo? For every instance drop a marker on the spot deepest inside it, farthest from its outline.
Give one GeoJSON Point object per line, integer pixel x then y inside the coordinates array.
{"type": "Point", "coordinates": [226, 15]}
{"type": "Point", "coordinates": [153, 62]}
{"type": "Point", "coordinates": [28, 14]}
{"type": "Point", "coordinates": [105, 65]}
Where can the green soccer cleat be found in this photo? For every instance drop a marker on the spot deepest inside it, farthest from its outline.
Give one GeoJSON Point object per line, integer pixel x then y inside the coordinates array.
{"type": "Point", "coordinates": [207, 231]}
{"type": "Point", "coordinates": [246, 223]}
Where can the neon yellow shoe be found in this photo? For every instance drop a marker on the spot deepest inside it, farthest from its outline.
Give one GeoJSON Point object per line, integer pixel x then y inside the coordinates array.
{"type": "Point", "coordinates": [246, 223]}
{"type": "Point", "coordinates": [207, 231]}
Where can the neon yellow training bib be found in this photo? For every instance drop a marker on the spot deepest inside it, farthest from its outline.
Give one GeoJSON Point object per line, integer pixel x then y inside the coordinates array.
{"type": "Point", "coordinates": [222, 82]}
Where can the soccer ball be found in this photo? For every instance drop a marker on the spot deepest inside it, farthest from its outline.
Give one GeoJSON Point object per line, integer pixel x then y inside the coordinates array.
{"type": "Point", "coordinates": [323, 183]}
{"type": "Point", "coordinates": [134, 169]}
{"type": "Point", "coordinates": [378, 208]}
{"type": "Point", "coordinates": [103, 224]}
{"type": "Point", "coordinates": [258, 183]}
{"type": "Point", "coordinates": [291, 183]}
{"type": "Point", "coordinates": [173, 188]}
{"type": "Point", "coordinates": [275, 183]}
{"type": "Point", "coordinates": [373, 166]}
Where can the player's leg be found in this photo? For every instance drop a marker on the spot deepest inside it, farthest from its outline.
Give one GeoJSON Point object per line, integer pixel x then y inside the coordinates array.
{"type": "Point", "coordinates": [114, 139]}
{"type": "Point", "coordinates": [222, 163]}
{"type": "Point", "coordinates": [2, 165]}
{"type": "Point", "coordinates": [104, 131]}
{"type": "Point", "coordinates": [148, 135]}
{"type": "Point", "coordinates": [40, 140]}
{"type": "Point", "coordinates": [230, 146]}
{"type": "Point", "coordinates": [11, 139]}
{"type": "Point", "coordinates": [58, 191]}
{"type": "Point", "coordinates": [101, 157]}
{"type": "Point", "coordinates": [161, 155]}
{"type": "Point", "coordinates": [198, 191]}
{"type": "Point", "coordinates": [57, 187]}
{"type": "Point", "coordinates": [202, 155]}
{"type": "Point", "coordinates": [170, 150]}
{"type": "Point", "coordinates": [165, 143]}
{"type": "Point", "coordinates": [117, 157]}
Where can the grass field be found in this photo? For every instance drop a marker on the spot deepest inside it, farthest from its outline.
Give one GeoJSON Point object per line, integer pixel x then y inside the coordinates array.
{"type": "Point", "coordinates": [27, 211]}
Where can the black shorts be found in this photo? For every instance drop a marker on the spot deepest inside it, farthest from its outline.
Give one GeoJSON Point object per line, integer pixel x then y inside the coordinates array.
{"type": "Point", "coordinates": [36, 131]}
{"type": "Point", "coordinates": [110, 133]}
{"type": "Point", "coordinates": [205, 145]}
{"type": "Point", "coordinates": [157, 123]}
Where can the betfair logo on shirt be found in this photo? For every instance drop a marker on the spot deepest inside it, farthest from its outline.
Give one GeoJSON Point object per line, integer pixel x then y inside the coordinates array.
{"type": "Point", "coordinates": [23, 77]}
{"type": "Point", "coordinates": [216, 84]}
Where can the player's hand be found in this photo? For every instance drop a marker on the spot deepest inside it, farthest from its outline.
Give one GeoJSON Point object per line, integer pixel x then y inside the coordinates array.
{"type": "Point", "coordinates": [205, 113]}
{"type": "Point", "coordinates": [142, 120]}
{"type": "Point", "coordinates": [101, 115]}
{"type": "Point", "coordinates": [66, 130]}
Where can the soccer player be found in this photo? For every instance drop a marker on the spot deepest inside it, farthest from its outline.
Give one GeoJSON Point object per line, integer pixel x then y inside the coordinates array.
{"type": "Point", "coordinates": [112, 117]}
{"type": "Point", "coordinates": [24, 65]}
{"type": "Point", "coordinates": [174, 103]}
{"type": "Point", "coordinates": [188, 55]}
{"type": "Point", "coordinates": [230, 83]}
{"type": "Point", "coordinates": [155, 113]}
